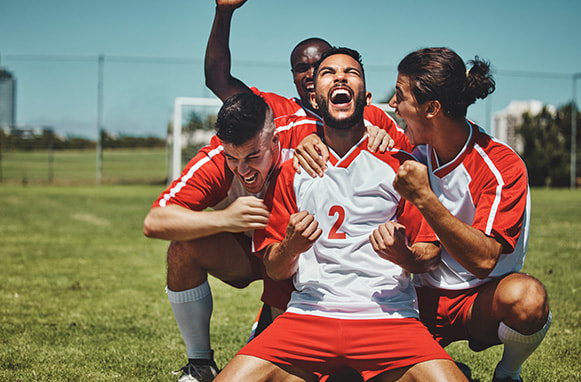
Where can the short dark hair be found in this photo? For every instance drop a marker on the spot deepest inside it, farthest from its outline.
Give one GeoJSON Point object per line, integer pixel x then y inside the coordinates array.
{"type": "Point", "coordinates": [241, 118]}
{"type": "Point", "coordinates": [440, 74]}
{"type": "Point", "coordinates": [340, 50]}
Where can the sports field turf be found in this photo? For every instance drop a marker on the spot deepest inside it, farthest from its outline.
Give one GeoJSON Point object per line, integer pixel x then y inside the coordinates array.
{"type": "Point", "coordinates": [82, 290]}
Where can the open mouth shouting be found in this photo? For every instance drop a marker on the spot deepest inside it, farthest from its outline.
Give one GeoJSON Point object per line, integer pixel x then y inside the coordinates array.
{"type": "Point", "coordinates": [341, 97]}
{"type": "Point", "coordinates": [250, 180]}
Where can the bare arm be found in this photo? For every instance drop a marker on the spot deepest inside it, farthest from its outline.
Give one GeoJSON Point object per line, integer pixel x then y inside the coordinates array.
{"type": "Point", "coordinates": [389, 240]}
{"type": "Point", "coordinates": [281, 260]}
{"type": "Point", "coordinates": [217, 63]}
{"type": "Point", "coordinates": [474, 250]}
{"type": "Point", "coordinates": [178, 223]}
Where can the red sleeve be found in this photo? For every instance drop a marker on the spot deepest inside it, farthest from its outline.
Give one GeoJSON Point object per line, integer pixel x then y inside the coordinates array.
{"type": "Point", "coordinates": [203, 183]}
{"type": "Point", "coordinates": [282, 202]}
{"type": "Point", "coordinates": [280, 105]}
{"type": "Point", "coordinates": [499, 191]}
{"type": "Point", "coordinates": [381, 119]}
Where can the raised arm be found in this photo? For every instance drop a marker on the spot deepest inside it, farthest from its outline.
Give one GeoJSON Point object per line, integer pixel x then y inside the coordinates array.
{"type": "Point", "coordinates": [179, 223]}
{"type": "Point", "coordinates": [217, 63]}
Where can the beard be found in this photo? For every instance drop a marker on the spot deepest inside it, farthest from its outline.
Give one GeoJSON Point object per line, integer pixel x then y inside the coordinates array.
{"type": "Point", "coordinates": [344, 123]}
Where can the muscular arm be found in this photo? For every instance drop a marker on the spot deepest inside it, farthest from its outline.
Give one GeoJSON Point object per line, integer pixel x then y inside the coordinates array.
{"type": "Point", "coordinates": [474, 250]}
{"type": "Point", "coordinates": [217, 63]}
{"type": "Point", "coordinates": [281, 259]}
{"type": "Point", "coordinates": [179, 223]}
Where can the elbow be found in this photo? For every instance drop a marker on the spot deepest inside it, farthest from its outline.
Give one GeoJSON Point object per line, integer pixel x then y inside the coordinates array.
{"type": "Point", "coordinates": [149, 228]}
{"type": "Point", "coordinates": [484, 269]}
{"type": "Point", "coordinates": [276, 273]}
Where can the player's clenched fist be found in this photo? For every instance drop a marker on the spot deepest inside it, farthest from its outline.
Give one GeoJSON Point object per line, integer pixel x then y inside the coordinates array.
{"type": "Point", "coordinates": [390, 242]}
{"type": "Point", "coordinates": [302, 231]}
{"type": "Point", "coordinates": [411, 181]}
{"type": "Point", "coordinates": [233, 4]}
{"type": "Point", "coordinates": [246, 213]}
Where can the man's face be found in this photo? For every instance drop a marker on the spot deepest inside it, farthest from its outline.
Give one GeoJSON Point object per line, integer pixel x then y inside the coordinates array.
{"type": "Point", "coordinates": [406, 107]}
{"type": "Point", "coordinates": [303, 61]}
{"type": "Point", "coordinates": [340, 91]}
{"type": "Point", "coordinates": [252, 161]}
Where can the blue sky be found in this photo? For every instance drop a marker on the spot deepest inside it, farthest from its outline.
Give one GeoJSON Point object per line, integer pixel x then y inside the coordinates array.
{"type": "Point", "coordinates": [154, 51]}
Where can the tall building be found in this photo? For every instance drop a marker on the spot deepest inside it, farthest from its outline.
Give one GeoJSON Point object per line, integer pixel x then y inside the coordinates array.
{"type": "Point", "coordinates": [506, 121]}
{"type": "Point", "coordinates": [7, 99]}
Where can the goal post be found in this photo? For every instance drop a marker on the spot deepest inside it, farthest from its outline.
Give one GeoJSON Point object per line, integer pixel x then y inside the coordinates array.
{"type": "Point", "coordinates": [182, 105]}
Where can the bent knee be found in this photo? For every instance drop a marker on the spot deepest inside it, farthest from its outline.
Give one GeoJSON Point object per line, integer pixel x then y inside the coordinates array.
{"type": "Point", "coordinates": [525, 301]}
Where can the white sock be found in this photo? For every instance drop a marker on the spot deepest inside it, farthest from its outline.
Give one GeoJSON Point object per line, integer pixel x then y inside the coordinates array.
{"type": "Point", "coordinates": [517, 348]}
{"type": "Point", "coordinates": [192, 310]}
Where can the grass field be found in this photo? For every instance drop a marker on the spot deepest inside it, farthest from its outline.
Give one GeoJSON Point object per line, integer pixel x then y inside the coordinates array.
{"type": "Point", "coordinates": [79, 167]}
{"type": "Point", "coordinates": [82, 292]}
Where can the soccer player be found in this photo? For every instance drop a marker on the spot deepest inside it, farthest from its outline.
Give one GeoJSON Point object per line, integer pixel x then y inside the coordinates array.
{"type": "Point", "coordinates": [303, 57]}
{"type": "Point", "coordinates": [473, 191]}
{"type": "Point", "coordinates": [331, 235]}
{"type": "Point", "coordinates": [229, 175]}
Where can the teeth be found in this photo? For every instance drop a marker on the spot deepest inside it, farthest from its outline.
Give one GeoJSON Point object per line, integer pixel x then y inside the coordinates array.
{"type": "Point", "coordinates": [340, 95]}
{"type": "Point", "coordinates": [336, 92]}
{"type": "Point", "coordinates": [250, 179]}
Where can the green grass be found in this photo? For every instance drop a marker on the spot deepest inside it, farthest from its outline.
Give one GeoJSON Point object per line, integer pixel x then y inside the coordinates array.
{"type": "Point", "coordinates": [79, 167]}
{"type": "Point", "coordinates": [82, 292]}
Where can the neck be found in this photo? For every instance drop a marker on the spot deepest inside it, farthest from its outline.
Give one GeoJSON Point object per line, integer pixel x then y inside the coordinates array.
{"type": "Point", "coordinates": [449, 139]}
{"type": "Point", "coordinates": [342, 140]}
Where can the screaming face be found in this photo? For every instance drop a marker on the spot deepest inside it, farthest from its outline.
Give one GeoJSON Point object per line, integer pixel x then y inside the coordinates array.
{"type": "Point", "coordinates": [340, 91]}
{"type": "Point", "coordinates": [252, 161]}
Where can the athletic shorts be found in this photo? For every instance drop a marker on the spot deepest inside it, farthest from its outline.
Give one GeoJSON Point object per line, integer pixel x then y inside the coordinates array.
{"type": "Point", "coordinates": [445, 313]}
{"type": "Point", "coordinates": [324, 346]}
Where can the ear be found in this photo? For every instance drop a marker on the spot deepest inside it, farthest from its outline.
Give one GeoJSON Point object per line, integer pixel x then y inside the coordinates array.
{"type": "Point", "coordinates": [433, 108]}
{"type": "Point", "coordinates": [313, 101]}
{"type": "Point", "coordinates": [368, 98]}
{"type": "Point", "coordinates": [275, 138]}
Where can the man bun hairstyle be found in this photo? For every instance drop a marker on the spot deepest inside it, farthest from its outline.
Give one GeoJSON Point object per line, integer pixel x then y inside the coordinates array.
{"type": "Point", "coordinates": [241, 118]}
{"type": "Point", "coordinates": [440, 74]}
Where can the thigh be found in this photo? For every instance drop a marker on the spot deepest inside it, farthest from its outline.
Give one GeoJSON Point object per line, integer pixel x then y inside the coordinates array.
{"type": "Point", "coordinates": [429, 371]}
{"type": "Point", "coordinates": [225, 255]}
{"type": "Point", "coordinates": [248, 368]}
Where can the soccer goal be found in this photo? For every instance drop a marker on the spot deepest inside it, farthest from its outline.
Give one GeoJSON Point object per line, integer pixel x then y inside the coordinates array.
{"type": "Point", "coordinates": [191, 128]}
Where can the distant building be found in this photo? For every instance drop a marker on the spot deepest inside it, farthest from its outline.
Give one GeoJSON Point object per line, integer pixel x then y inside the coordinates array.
{"type": "Point", "coordinates": [7, 99]}
{"type": "Point", "coordinates": [506, 121]}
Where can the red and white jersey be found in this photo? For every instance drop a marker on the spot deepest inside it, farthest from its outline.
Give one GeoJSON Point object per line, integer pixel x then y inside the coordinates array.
{"type": "Point", "coordinates": [485, 186]}
{"type": "Point", "coordinates": [206, 181]}
{"type": "Point", "coordinates": [341, 276]}
{"type": "Point", "coordinates": [372, 114]}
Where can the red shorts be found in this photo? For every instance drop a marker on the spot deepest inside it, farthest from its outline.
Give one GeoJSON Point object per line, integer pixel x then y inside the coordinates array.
{"type": "Point", "coordinates": [324, 346]}
{"type": "Point", "coordinates": [445, 312]}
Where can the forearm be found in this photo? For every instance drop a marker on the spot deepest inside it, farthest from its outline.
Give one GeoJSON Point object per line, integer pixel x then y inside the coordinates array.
{"type": "Point", "coordinates": [469, 246]}
{"type": "Point", "coordinates": [426, 257]}
{"type": "Point", "coordinates": [279, 263]}
{"type": "Point", "coordinates": [179, 223]}
{"type": "Point", "coordinates": [217, 63]}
